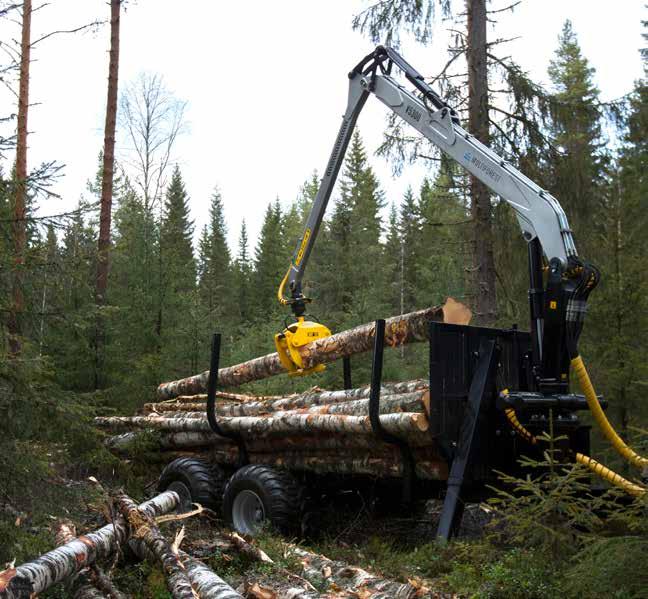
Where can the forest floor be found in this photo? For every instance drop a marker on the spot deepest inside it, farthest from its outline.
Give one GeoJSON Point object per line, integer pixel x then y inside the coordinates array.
{"type": "Point", "coordinates": [382, 541]}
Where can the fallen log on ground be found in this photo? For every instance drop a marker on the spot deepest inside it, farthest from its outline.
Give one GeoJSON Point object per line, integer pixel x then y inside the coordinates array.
{"type": "Point", "coordinates": [396, 424]}
{"type": "Point", "coordinates": [343, 579]}
{"type": "Point", "coordinates": [348, 578]}
{"type": "Point", "coordinates": [143, 527]}
{"type": "Point", "coordinates": [204, 581]}
{"type": "Point", "coordinates": [63, 562]}
{"type": "Point", "coordinates": [399, 330]}
{"type": "Point", "coordinates": [80, 586]}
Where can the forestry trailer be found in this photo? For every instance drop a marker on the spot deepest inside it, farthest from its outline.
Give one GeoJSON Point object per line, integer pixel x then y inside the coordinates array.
{"type": "Point", "coordinates": [492, 394]}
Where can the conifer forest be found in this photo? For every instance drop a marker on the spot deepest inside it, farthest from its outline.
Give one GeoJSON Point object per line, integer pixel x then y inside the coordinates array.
{"type": "Point", "coordinates": [491, 450]}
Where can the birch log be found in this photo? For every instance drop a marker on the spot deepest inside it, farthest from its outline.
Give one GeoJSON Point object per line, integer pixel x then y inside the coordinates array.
{"type": "Point", "coordinates": [81, 585]}
{"type": "Point", "coordinates": [131, 442]}
{"type": "Point", "coordinates": [419, 401]}
{"type": "Point", "coordinates": [352, 579]}
{"type": "Point", "coordinates": [383, 461]}
{"type": "Point", "coordinates": [263, 403]}
{"type": "Point", "coordinates": [144, 528]}
{"type": "Point", "coordinates": [91, 582]}
{"type": "Point", "coordinates": [291, 423]}
{"type": "Point", "coordinates": [61, 563]}
{"type": "Point", "coordinates": [399, 330]}
{"type": "Point", "coordinates": [203, 580]}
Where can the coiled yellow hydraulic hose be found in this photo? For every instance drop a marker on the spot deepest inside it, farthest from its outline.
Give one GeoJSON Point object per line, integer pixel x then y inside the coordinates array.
{"type": "Point", "coordinates": [600, 417]}
{"type": "Point", "coordinates": [518, 427]}
{"type": "Point", "coordinates": [610, 476]}
{"type": "Point", "coordinates": [596, 467]}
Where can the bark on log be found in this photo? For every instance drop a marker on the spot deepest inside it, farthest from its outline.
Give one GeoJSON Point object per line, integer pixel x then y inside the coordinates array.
{"type": "Point", "coordinates": [350, 578]}
{"type": "Point", "coordinates": [396, 424]}
{"type": "Point", "coordinates": [81, 586]}
{"type": "Point", "coordinates": [264, 403]}
{"type": "Point", "coordinates": [418, 401]}
{"type": "Point", "coordinates": [203, 580]}
{"type": "Point", "coordinates": [143, 527]}
{"type": "Point", "coordinates": [383, 462]}
{"type": "Point", "coordinates": [91, 582]}
{"type": "Point", "coordinates": [130, 442]}
{"type": "Point", "coordinates": [399, 330]}
{"type": "Point", "coordinates": [61, 563]}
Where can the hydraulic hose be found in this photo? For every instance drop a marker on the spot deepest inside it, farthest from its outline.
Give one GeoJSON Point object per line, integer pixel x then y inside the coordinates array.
{"type": "Point", "coordinates": [596, 467]}
{"type": "Point", "coordinates": [601, 419]}
{"type": "Point", "coordinates": [518, 427]}
{"type": "Point", "coordinates": [610, 476]}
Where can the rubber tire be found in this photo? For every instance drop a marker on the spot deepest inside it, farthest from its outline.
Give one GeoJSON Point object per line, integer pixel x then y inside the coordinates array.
{"type": "Point", "coordinates": [205, 481]}
{"type": "Point", "coordinates": [279, 492]}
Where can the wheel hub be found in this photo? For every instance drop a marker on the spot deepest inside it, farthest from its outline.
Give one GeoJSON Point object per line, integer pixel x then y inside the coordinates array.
{"type": "Point", "coordinates": [248, 513]}
{"type": "Point", "coordinates": [186, 503]}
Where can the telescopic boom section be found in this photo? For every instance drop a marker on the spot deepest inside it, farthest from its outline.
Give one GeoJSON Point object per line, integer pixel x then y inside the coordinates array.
{"type": "Point", "coordinates": [539, 214]}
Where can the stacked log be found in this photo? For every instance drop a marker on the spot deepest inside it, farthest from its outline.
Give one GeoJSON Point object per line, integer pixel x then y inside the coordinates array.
{"type": "Point", "coordinates": [325, 432]}
{"type": "Point", "coordinates": [399, 330]}
{"type": "Point", "coordinates": [316, 430]}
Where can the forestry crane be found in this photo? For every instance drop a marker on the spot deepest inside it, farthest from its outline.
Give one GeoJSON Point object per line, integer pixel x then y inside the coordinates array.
{"type": "Point", "coordinates": [559, 280]}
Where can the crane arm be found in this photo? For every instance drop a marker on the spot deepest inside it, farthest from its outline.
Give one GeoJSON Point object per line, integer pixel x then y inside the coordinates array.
{"type": "Point", "coordinates": [539, 214]}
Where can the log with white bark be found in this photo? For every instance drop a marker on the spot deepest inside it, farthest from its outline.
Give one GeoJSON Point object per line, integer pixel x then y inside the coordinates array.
{"type": "Point", "coordinates": [399, 330]}
{"type": "Point", "coordinates": [143, 527]}
{"type": "Point", "coordinates": [254, 405]}
{"type": "Point", "coordinates": [81, 586]}
{"type": "Point", "coordinates": [396, 424]}
{"type": "Point", "coordinates": [383, 461]}
{"type": "Point", "coordinates": [65, 561]}
{"type": "Point", "coordinates": [204, 581]}
{"type": "Point", "coordinates": [353, 402]}
{"type": "Point", "coordinates": [91, 582]}
{"type": "Point", "coordinates": [418, 401]}
{"type": "Point", "coordinates": [352, 579]}
{"type": "Point", "coordinates": [131, 442]}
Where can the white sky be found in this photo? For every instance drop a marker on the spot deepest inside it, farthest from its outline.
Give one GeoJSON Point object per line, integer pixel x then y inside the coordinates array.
{"type": "Point", "coordinates": [266, 85]}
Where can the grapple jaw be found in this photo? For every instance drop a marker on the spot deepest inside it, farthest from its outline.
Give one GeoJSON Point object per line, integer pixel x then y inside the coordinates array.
{"type": "Point", "coordinates": [293, 337]}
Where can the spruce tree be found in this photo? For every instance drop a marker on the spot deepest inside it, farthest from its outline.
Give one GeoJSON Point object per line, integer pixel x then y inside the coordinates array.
{"type": "Point", "coordinates": [439, 267]}
{"type": "Point", "coordinates": [215, 264]}
{"type": "Point", "coordinates": [178, 280]}
{"type": "Point", "coordinates": [241, 287]}
{"type": "Point", "coordinates": [577, 167]}
{"type": "Point", "coordinates": [270, 262]}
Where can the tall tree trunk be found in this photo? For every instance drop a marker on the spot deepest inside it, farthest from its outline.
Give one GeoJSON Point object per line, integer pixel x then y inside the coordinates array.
{"type": "Point", "coordinates": [19, 225]}
{"type": "Point", "coordinates": [107, 176]}
{"type": "Point", "coordinates": [108, 156]}
{"type": "Point", "coordinates": [484, 302]}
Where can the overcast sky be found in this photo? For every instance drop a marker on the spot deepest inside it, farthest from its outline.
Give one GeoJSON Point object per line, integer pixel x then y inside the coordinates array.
{"type": "Point", "coordinates": [266, 85]}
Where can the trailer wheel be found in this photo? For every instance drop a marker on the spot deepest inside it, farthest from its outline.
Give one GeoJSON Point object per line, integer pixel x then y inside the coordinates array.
{"type": "Point", "coordinates": [258, 495]}
{"type": "Point", "coordinates": [195, 481]}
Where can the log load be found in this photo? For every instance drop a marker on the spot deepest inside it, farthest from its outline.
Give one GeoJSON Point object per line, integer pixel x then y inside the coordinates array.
{"type": "Point", "coordinates": [295, 401]}
{"type": "Point", "coordinates": [324, 432]}
{"type": "Point", "coordinates": [400, 424]}
{"type": "Point", "coordinates": [399, 330]}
